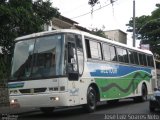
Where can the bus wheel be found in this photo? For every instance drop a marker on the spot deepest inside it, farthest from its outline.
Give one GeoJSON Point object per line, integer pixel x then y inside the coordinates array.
{"type": "Point", "coordinates": [143, 97]}
{"type": "Point", "coordinates": [144, 93]}
{"type": "Point", "coordinates": [47, 110]}
{"type": "Point", "coordinates": [91, 100]}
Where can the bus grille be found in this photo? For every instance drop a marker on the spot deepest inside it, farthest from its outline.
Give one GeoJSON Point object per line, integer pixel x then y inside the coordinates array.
{"type": "Point", "coordinates": [32, 90]}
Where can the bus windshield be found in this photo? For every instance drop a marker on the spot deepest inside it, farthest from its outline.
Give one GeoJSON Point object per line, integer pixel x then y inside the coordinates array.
{"type": "Point", "coordinates": [41, 57]}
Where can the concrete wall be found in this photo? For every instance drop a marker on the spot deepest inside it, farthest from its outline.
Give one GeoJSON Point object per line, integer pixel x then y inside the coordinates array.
{"type": "Point", "coordinates": [117, 35]}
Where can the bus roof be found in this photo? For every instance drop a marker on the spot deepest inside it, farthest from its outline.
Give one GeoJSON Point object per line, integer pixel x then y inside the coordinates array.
{"type": "Point", "coordinates": [83, 33]}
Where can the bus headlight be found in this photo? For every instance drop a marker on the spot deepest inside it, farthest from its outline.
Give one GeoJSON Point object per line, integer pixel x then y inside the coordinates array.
{"type": "Point", "coordinates": [13, 101]}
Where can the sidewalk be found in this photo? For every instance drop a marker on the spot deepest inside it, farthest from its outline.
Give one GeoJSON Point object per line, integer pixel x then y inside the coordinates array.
{"type": "Point", "coordinates": [8, 110]}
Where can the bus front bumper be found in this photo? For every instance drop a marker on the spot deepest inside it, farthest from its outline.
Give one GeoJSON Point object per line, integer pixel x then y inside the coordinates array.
{"type": "Point", "coordinates": [41, 100]}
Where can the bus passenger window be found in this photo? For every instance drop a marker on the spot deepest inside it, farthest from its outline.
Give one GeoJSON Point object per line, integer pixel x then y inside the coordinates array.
{"type": "Point", "coordinates": [122, 55]}
{"type": "Point", "coordinates": [144, 60]}
{"type": "Point", "coordinates": [106, 52]}
{"type": "Point", "coordinates": [131, 56]}
{"type": "Point", "coordinates": [93, 49]}
{"type": "Point", "coordinates": [136, 58]}
{"type": "Point", "coordinates": [113, 53]}
{"type": "Point", "coordinates": [150, 61]}
{"type": "Point", "coordinates": [126, 59]}
{"type": "Point", "coordinates": [109, 53]}
{"type": "Point", "coordinates": [140, 59]}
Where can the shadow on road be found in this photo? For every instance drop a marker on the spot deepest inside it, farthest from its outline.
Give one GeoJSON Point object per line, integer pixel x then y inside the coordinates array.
{"type": "Point", "coordinates": [77, 113]}
{"type": "Point", "coordinates": [66, 114]}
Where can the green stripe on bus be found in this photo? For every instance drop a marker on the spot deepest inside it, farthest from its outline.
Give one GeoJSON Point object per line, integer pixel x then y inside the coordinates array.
{"type": "Point", "coordinates": [16, 85]}
{"type": "Point", "coordinates": [121, 87]}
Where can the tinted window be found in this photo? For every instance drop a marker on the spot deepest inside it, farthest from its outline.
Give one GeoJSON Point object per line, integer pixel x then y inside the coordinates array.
{"type": "Point", "coordinates": [150, 61]}
{"type": "Point", "coordinates": [93, 49]}
{"type": "Point", "coordinates": [141, 59]}
{"type": "Point", "coordinates": [136, 58]}
{"type": "Point", "coordinates": [122, 55]}
{"type": "Point", "coordinates": [131, 57]}
{"type": "Point", "coordinates": [109, 53]}
{"type": "Point", "coordinates": [106, 52]}
{"type": "Point", "coordinates": [113, 53]}
{"type": "Point", "coordinates": [144, 60]}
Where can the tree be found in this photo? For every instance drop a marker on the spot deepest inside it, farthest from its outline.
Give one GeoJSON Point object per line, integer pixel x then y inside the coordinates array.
{"type": "Point", "coordinates": [148, 29]}
{"type": "Point", "coordinates": [94, 2]}
{"type": "Point", "coordinates": [98, 32]}
{"type": "Point", "coordinates": [22, 17]}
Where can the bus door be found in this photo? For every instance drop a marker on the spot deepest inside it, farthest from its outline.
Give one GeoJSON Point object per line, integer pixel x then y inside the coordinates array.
{"type": "Point", "coordinates": [74, 65]}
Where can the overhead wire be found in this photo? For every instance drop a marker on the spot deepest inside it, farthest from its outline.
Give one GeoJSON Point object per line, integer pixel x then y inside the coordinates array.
{"type": "Point", "coordinates": [94, 10]}
{"type": "Point", "coordinates": [71, 10]}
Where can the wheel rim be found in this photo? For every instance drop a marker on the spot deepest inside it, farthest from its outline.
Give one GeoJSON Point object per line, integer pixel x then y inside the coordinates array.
{"type": "Point", "coordinates": [91, 99]}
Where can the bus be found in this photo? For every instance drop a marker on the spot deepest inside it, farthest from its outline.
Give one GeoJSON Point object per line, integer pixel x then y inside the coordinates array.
{"type": "Point", "coordinates": [64, 68]}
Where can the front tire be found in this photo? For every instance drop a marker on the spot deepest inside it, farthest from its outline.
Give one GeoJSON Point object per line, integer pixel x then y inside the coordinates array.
{"type": "Point", "coordinates": [91, 100]}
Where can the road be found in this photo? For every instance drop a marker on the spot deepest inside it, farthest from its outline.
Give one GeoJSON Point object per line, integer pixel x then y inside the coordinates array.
{"type": "Point", "coordinates": [124, 110]}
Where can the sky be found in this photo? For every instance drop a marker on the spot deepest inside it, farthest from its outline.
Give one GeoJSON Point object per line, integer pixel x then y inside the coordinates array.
{"type": "Point", "coordinates": [106, 16]}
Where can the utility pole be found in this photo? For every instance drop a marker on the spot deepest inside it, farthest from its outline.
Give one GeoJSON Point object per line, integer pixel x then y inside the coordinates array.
{"type": "Point", "coordinates": [134, 38]}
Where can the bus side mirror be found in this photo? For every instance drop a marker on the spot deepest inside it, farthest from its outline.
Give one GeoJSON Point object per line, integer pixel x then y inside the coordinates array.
{"type": "Point", "coordinates": [73, 76]}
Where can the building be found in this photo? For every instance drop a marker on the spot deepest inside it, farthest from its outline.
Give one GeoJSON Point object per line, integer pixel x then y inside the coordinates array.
{"type": "Point", "coordinates": [117, 35]}
{"type": "Point", "coordinates": [62, 22]}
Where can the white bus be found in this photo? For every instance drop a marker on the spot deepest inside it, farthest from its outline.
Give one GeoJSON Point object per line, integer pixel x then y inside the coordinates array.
{"type": "Point", "coordinates": [65, 68]}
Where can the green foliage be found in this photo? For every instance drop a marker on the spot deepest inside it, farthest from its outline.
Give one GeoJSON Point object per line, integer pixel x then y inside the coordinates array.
{"type": "Point", "coordinates": [148, 29]}
{"type": "Point", "coordinates": [93, 2]}
{"type": "Point", "coordinates": [22, 17]}
{"type": "Point", "coordinates": [4, 66]}
{"type": "Point", "coordinates": [98, 32]}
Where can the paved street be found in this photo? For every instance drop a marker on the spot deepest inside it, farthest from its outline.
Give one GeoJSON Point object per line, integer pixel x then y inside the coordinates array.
{"type": "Point", "coordinates": [125, 109]}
